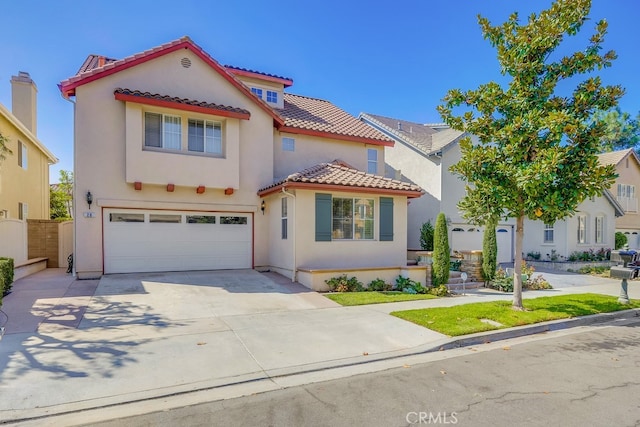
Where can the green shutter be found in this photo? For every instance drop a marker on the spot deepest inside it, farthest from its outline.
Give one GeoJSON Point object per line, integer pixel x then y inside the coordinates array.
{"type": "Point", "coordinates": [386, 219]}
{"type": "Point", "coordinates": [323, 217]}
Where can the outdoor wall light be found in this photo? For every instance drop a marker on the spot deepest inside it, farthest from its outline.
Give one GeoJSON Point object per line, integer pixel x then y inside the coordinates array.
{"type": "Point", "coordinates": [89, 198]}
{"type": "Point", "coordinates": [263, 205]}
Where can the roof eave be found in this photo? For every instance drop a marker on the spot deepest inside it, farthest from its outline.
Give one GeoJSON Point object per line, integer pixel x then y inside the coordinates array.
{"type": "Point", "coordinates": [52, 159]}
{"type": "Point", "coordinates": [342, 137]}
{"type": "Point", "coordinates": [411, 194]}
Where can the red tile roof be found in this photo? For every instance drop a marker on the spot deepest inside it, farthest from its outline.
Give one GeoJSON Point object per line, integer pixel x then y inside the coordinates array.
{"type": "Point", "coordinates": [318, 117]}
{"type": "Point", "coordinates": [94, 61]}
{"type": "Point", "coordinates": [339, 176]}
{"type": "Point", "coordinates": [180, 103]}
{"type": "Point", "coordinates": [286, 81]}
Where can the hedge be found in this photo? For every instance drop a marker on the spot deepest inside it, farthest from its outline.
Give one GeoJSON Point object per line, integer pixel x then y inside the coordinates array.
{"type": "Point", "coordinates": [6, 275]}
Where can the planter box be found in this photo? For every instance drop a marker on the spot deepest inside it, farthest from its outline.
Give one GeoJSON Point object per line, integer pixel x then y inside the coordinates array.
{"type": "Point", "coordinates": [568, 265]}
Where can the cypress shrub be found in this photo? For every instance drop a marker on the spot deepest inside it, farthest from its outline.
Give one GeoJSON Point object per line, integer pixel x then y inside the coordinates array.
{"type": "Point", "coordinates": [441, 255]}
{"type": "Point", "coordinates": [6, 275]}
{"type": "Point", "coordinates": [426, 236]}
{"type": "Point", "coordinates": [489, 251]}
{"type": "Point", "coordinates": [621, 240]}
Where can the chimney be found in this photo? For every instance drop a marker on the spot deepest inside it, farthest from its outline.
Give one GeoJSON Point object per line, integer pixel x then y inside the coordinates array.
{"type": "Point", "coordinates": [23, 100]}
{"type": "Point", "coordinates": [399, 126]}
{"type": "Point", "coordinates": [101, 61]}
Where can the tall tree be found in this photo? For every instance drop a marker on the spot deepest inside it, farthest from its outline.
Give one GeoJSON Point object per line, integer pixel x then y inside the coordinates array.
{"type": "Point", "coordinates": [621, 130]}
{"type": "Point", "coordinates": [536, 155]}
{"type": "Point", "coordinates": [61, 197]}
{"type": "Point", "coordinates": [441, 252]}
{"type": "Point", "coordinates": [490, 250]}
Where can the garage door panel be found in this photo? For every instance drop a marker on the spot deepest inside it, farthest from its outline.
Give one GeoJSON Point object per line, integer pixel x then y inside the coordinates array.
{"type": "Point", "coordinates": [173, 246]}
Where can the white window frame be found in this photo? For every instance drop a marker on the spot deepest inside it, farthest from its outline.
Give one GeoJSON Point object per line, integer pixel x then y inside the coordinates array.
{"type": "Point", "coordinates": [272, 96]}
{"type": "Point", "coordinates": [23, 155]}
{"type": "Point", "coordinates": [355, 216]}
{"type": "Point", "coordinates": [288, 144]}
{"type": "Point", "coordinates": [582, 229]}
{"type": "Point", "coordinates": [284, 222]}
{"type": "Point", "coordinates": [599, 229]}
{"type": "Point", "coordinates": [548, 234]}
{"type": "Point", "coordinates": [372, 161]}
{"type": "Point", "coordinates": [212, 144]}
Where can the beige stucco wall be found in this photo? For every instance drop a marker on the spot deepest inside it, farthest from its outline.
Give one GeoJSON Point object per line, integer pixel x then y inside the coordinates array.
{"type": "Point", "coordinates": [348, 253]}
{"type": "Point", "coordinates": [311, 150]}
{"type": "Point", "coordinates": [29, 185]}
{"type": "Point", "coordinates": [628, 172]}
{"type": "Point", "coordinates": [101, 153]}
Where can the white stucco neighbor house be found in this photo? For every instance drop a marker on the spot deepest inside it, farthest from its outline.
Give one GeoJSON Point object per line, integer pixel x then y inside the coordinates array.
{"type": "Point", "coordinates": [182, 163]}
{"type": "Point", "coordinates": [423, 155]}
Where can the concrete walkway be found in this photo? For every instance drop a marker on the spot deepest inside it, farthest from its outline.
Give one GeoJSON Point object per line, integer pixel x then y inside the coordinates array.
{"type": "Point", "coordinates": [73, 345]}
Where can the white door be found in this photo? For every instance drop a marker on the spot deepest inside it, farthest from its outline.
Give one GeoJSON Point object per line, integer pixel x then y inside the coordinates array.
{"type": "Point", "coordinates": [147, 241]}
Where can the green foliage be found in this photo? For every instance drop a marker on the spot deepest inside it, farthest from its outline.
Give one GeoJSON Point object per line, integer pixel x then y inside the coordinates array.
{"type": "Point", "coordinates": [361, 298]}
{"type": "Point", "coordinates": [6, 276]}
{"type": "Point", "coordinates": [534, 255]}
{"type": "Point", "coordinates": [621, 131]}
{"type": "Point", "coordinates": [439, 291]}
{"type": "Point", "coordinates": [379, 285]}
{"type": "Point", "coordinates": [4, 149]}
{"type": "Point", "coordinates": [504, 282]}
{"type": "Point", "coordinates": [621, 240]}
{"type": "Point", "coordinates": [344, 284]}
{"type": "Point", "coordinates": [501, 281]}
{"type": "Point", "coordinates": [60, 199]}
{"type": "Point", "coordinates": [595, 270]}
{"type": "Point", "coordinates": [590, 255]}
{"type": "Point", "coordinates": [535, 154]}
{"type": "Point", "coordinates": [455, 265]}
{"type": "Point", "coordinates": [489, 250]}
{"type": "Point", "coordinates": [406, 285]}
{"type": "Point", "coordinates": [426, 236]}
{"type": "Point", "coordinates": [441, 252]}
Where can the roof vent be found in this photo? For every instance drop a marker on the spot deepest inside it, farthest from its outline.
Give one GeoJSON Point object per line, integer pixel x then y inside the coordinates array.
{"type": "Point", "coordinates": [186, 62]}
{"type": "Point", "coordinates": [399, 126]}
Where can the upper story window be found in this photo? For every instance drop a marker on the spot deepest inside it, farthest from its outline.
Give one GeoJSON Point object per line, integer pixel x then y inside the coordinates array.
{"type": "Point", "coordinates": [272, 96]}
{"type": "Point", "coordinates": [288, 144]}
{"type": "Point", "coordinates": [165, 131]}
{"type": "Point", "coordinates": [626, 190]}
{"type": "Point", "coordinates": [162, 131]}
{"type": "Point", "coordinates": [257, 91]}
{"type": "Point", "coordinates": [627, 197]}
{"type": "Point", "coordinates": [548, 233]}
{"type": "Point", "coordinates": [372, 161]}
{"type": "Point", "coordinates": [205, 136]}
{"type": "Point", "coordinates": [22, 155]}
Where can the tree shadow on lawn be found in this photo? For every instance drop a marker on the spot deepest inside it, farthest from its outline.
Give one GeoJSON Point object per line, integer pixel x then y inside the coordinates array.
{"type": "Point", "coordinates": [582, 307]}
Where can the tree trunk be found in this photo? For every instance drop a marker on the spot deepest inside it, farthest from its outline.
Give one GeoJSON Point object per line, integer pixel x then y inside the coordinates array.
{"type": "Point", "coordinates": [517, 267]}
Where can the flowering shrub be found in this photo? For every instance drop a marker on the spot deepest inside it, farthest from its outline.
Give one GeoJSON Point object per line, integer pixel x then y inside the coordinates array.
{"type": "Point", "coordinates": [601, 254]}
{"type": "Point", "coordinates": [342, 284]}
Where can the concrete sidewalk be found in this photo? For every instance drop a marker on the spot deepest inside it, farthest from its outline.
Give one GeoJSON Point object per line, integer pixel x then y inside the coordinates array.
{"type": "Point", "coordinates": [74, 345]}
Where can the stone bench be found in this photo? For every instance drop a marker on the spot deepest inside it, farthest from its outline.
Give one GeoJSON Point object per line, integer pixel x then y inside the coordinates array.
{"type": "Point", "coordinates": [29, 267]}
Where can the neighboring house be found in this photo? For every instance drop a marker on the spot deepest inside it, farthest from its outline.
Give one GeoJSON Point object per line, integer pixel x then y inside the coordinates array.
{"type": "Point", "coordinates": [627, 167]}
{"type": "Point", "coordinates": [423, 154]}
{"type": "Point", "coordinates": [192, 165]}
{"type": "Point", "coordinates": [24, 174]}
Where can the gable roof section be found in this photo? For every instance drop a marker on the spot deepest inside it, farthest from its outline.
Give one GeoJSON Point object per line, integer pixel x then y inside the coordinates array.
{"type": "Point", "coordinates": [427, 139]}
{"type": "Point", "coordinates": [286, 81]}
{"type": "Point", "coordinates": [617, 207]}
{"type": "Point", "coordinates": [27, 133]}
{"type": "Point", "coordinates": [68, 86]}
{"type": "Point", "coordinates": [148, 98]}
{"type": "Point", "coordinates": [339, 176]}
{"type": "Point", "coordinates": [317, 117]}
{"type": "Point", "coordinates": [615, 157]}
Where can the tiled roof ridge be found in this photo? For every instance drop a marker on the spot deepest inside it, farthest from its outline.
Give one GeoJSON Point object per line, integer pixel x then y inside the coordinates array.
{"type": "Point", "coordinates": [399, 135]}
{"type": "Point", "coordinates": [308, 97]}
{"type": "Point", "coordinates": [233, 67]}
{"type": "Point", "coordinates": [176, 99]}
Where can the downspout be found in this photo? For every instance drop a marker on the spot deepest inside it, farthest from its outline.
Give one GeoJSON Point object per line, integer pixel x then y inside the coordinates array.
{"type": "Point", "coordinates": [74, 204]}
{"type": "Point", "coordinates": [293, 229]}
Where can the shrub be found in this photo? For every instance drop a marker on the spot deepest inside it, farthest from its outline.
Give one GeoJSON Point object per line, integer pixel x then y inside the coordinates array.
{"type": "Point", "coordinates": [406, 285]}
{"type": "Point", "coordinates": [426, 236]}
{"type": "Point", "coordinates": [621, 240]}
{"type": "Point", "coordinates": [455, 265]}
{"type": "Point", "coordinates": [379, 285]}
{"type": "Point", "coordinates": [553, 256]}
{"type": "Point", "coordinates": [537, 283]}
{"type": "Point", "coordinates": [6, 276]}
{"type": "Point", "coordinates": [342, 284]}
{"type": "Point", "coordinates": [439, 291]}
{"type": "Point", "coordinates": [501, 281]}
{"type": "Point", "coordinates": [601, 254]}
{"type": "Point", "coordinates": [534, 256]}
{"type": "Point", "coordinates": [489, 251]}
{"type": "Point", "coordinates": [441, 255]}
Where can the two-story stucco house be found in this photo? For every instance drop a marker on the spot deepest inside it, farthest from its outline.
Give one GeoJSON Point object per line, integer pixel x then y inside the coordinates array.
{"type": "Point", "coordinates": [194, 165]}
{"type": "Point", "coordinates": [627, 167]}
{"type": "Point", "coordinates": [24, 173]}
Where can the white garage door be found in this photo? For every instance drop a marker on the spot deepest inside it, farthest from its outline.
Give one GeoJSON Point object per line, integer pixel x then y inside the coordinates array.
{"type": "Point", "coordinates": [146, 241]}
{"type": "Point", "coordinates": [466, 237]}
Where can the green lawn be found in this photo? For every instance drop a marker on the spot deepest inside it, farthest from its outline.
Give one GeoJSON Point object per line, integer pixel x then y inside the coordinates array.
{"type": "Point", "coordinates": [361, 298]}
{"type": "Point", "coordinates": [465, 319]}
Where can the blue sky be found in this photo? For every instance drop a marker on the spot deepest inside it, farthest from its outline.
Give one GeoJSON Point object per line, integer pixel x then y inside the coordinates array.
{"type": "Point", "coordinates": [394, 58]}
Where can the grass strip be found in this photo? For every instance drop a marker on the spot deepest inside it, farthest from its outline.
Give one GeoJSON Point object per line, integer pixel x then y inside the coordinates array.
{"type": "Point", "coordinates": [466, 319]}
{"type": "Point", "coordinates": [362, 298]}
